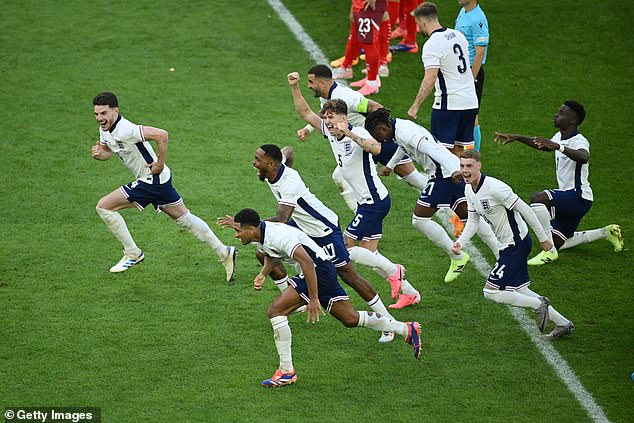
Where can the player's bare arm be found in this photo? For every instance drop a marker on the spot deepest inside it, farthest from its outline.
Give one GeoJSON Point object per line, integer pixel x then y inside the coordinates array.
{"type": "Point", "coordinates": [426, 87]}
{"type": "Point", "coordinates": [368, 144]}
{"type": "Point", "coordinates": [301, 106]}
{"type": "Point", "coordinates": [266, 270]}
{"type": "Point", "coordinates": [477, 60]}
{"type": "Point", "coordinates": [160, 137]}
{"type": "Point", "coordinates": [101, 152]}
{"type": "Point", "coordinates": [580, 156]}
{"type": "Point", "coordinates": [308, 268]}
{"type": "Point", "coordinates": [283, 215]}
{"type": "Point", "coordinates": [504, 138]}
{"type": "Point", "coordinates": [227, 222]}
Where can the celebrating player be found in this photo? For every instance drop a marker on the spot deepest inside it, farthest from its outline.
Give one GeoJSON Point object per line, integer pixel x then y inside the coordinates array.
{"type": "Point", "coordinates": [153, 184]}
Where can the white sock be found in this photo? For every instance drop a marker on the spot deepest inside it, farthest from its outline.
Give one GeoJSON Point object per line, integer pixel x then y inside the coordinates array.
{"type": "Point", "coordinates": [513, 298]}
{"type": "Point", "coordinates": [416, 179]}
{"type": "Point", "coordinates": [378, 307]}
{"type": "Point", "coordinates": [374, 83]}
{"type": "Point", "coordinates": [381, 323]}
{"type": "Point", "coordinates": [584, 237]}
{"type": "Point", "coordinates": [282, 336]}
{"type": "Point", "coordinates": [115, 223]}
{"type": "Point", "coordinates": [203, 232]}
{"type": "Point", "coordinates": [407, 288]}
{"type": "Point", "coordinates": [553, 315]}
{"type": "Point", "coordinates": [281, 284]}
{"type": "Point", "coordinates": [345, 189]}
{"type": "Point", "coordinates": [543, 215]}
{"type": "Point", "coordinates": [436, 234]}
{"type": "Point", "coordinates": [375, 260]}
{"type": "Point", "coordinates": [486, 234]}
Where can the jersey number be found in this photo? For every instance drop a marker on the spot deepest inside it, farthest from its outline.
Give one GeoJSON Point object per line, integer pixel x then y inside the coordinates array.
{"type": "Point", "coordinates": [339, 160]}
{"type": "Point", "coordinates": [498, 273]}
{"type": "Point", "coordinates": [329, 250]}
{"type": "Point", "coordinates": [365, 25]}
{"type": "Point", "coordinates": [429, 188]}
{"type": "Point", "coordinates": [462, 68]}
{"type": "Point", "coordinates": [357, 220]}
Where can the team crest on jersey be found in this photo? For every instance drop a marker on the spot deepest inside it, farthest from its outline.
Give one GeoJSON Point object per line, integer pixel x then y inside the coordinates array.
{"type": "Point", "coordinates": [485, 204]}
{"type": "Point", "coordinates": [347, 147]}
{"type": "Point", "coordinates": [120, 144]}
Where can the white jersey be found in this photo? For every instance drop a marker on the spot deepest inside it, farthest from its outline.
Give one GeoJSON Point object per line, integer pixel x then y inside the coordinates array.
{"type": "Point", "coordinates": [280, 240]}
{"type": "Point", "coordinates": [356, 102]}
{"type": "Point", "coordinates": [494, 202]}
{"type": "Point", "coordinates": [310, 214]}
{"type": "Point", "coordinates": [418, 143]}
{"type": "Point", "coordinates": [448, 51]}
{"type": "Point", "coordinates": [125, 139]}
{"type": "Point", "coordinates": [570, 174]}
{"type": "Point", "coordinates": [357, 166]}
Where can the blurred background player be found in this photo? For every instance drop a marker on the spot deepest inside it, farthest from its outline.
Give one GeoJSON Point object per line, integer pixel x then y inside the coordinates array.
{"type": "Point", "coordinates": [153, 184]}
{"type": "Point", "coordinates": [373, 200]}
{"type": "Point", "coordinates": [472, 22]}
{"type": "Point", "coordinates": [316, 286]}
{"type": "Point", "coordinates": [508, 282]}
{"type": "Point", "coordinates": [366, 17]}
{"type": "Point", "coordinates": [560, 210]}
{"type": "Point", "coordinates": [407, 29]}
{"type": "Point", "coordinates": [322, 85]}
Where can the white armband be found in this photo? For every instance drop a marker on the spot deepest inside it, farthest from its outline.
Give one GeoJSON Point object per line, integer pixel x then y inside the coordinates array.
{"type": "Point", "coordinates": [562, 147]}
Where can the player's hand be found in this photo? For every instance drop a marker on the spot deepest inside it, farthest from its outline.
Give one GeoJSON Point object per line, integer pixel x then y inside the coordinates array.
{"type": "Point", "coordinates": [313, 309]}
{"type": "Point", "coordinates": [385, 171]}
{"type": "Point", "coordinates": [456, 177]}
{"type": "Point", "coordinates": [456, 248]}
{"type": "Point", "coordinates": [155, 167]}
{"type": "Point", "coordinates": [504, 139]}
{"type": "Point", "coordinates": [293, 78]}
{"type": "Point", "coordinates": [547, 145]}
{"type": "Point", "coordinates": [258, 281]}
{"type": "Point", "coordinates": [302, 134]}
{"type": "Point", "coordinates": [412, 112]}
{"type": "Point", "coordinates": [546, 245]}
{"type": "Point", "coordinates": [99, 152]}
{"type": "Point", "coordinates": [343, 127]}
{"type": "Point", "coordinates": [227, 222]}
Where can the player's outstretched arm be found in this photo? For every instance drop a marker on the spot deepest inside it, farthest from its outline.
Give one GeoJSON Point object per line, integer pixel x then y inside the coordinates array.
{"type": "Point", "coordinates": [308, 269]}
{"type": "Point", "coordinates": [504, 138]}
{"type": "Point", "coordinates": [368, 144]}
{"type": "Point", "coordinates": [101, 152]}
{"type": "Point", "coordinates": [301, 106]}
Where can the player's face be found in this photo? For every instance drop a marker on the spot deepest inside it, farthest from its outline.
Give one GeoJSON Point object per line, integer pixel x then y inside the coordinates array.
{"type": "Point", "coordinates": [382, 133]}
{"type": "Point", "coordinates": [563, 118]}
{"type": "Point", "coordinates": [106, 116]}
{"type": "Point", "coordinates": [331, 123]}
{"type": "Point", "coordinates": [263, 164]}
{"type": "Point", "coordinates": [315, 85]}
{"type": "Point", "coordinates": [246, 234]}
{"type": "Point", "coordinates": [470, 170]}
{"type": "Point", "coordinates": [421, 25]}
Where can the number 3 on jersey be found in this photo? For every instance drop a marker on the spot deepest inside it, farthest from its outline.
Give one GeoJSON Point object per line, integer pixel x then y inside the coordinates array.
{"type": "Point", "coordinates": [462, 68]}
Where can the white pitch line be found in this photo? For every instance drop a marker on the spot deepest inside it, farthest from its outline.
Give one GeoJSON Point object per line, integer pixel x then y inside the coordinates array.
{"type": "Point", "coordinates": [562, 368]}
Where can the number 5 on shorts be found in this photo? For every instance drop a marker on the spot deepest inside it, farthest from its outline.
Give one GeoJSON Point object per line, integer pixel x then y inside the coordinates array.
{"type": "Point", "coordinates": [357, 220]}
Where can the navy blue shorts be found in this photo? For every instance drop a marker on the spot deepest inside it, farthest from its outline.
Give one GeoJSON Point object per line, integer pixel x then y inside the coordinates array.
{"type": "Point", "coordinates": [453, 127]}
{"type": "Point", "coordinates": [442, 192]}
{"type": "Point", "coordinates": [334, 246]}
{"type": "Point", "coordinates": [141, 194]}
{"type": "Point", "coordinates": [511, 270]}
{"type": "Point", "coordinates": [328, 287]}
{"type": "Point", "coordinates": [368, 221]}
{"type": "Point", "coordinates": [567, 210]}
{"type": "Point", "coordinates": [388, 149]}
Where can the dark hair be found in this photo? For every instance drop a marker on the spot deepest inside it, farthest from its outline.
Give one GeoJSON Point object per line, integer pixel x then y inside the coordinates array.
{"type": "Point", "coordinates": [105, 98]}
{"type": "Point", "coordinates": [578, 109]}
{"type": "Point", "coordinates": [471, 154]}
{"type": "Point", "coordinates": [321, 71]}
{"type": "Point", "coordinates": [334, 106]}
{"type": "Point", "coordinates": [426, 10]}
{"type": "Point", "coordinates": [378, 116]}
{"type": "Point", "coordinates": [247, 217]}
{"type": "Point", "coordinates": [272, 151]}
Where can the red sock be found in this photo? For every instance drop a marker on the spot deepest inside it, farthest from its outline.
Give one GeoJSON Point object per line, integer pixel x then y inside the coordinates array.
{"type": "Point", "coordinates": [384, 40]}
{"type": "Point", "coordinates": [393, 10]}
{"type": "Point", "coordinates": [410, 5]}
{"type": "Point", "coordinates": [353, 48]}
{"type": "Point", "coordinates": [372, 60]}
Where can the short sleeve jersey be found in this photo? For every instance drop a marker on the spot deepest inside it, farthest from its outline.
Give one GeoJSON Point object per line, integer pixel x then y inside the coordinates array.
{"type": "Point", "coordinates": [280, 240]}
{"type": "Point", "coordinates": [570, 174]}
{"type": "Point", "coordinates": [357, 166]}
{"type": "Point", "coordinates": [310, 214]}
{"type": "Point", "coordinates": [421, 146]}
{"type": "Point", "coordinates": [126, 140]}
{"type": "Point", "coordinates": [356, 103]}
{"type": "Point", "coordinates": [475, 27]}
{"type": "Point", "coordinates": [448, 51]}
{"type": "Point", "coordinates": [494, 200]}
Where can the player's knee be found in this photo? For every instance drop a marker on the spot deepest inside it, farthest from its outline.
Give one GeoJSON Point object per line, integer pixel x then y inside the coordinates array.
{"type": "Point", "coordinates": [492, 295]}
{"type": "Point", "coordinates": [539, 197]}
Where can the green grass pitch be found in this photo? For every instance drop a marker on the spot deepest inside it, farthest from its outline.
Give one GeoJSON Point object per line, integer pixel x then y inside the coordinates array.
{"type": "Point", "coordinates": [170, 341]}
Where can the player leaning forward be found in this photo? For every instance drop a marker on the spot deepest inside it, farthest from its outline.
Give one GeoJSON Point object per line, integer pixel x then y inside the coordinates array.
{"type": "Point", "coordinates": [153, 184]}
{"type": "Point", "coordinates": [316, 286]}
{"type": "Point", "coordinates": [501, 208]}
